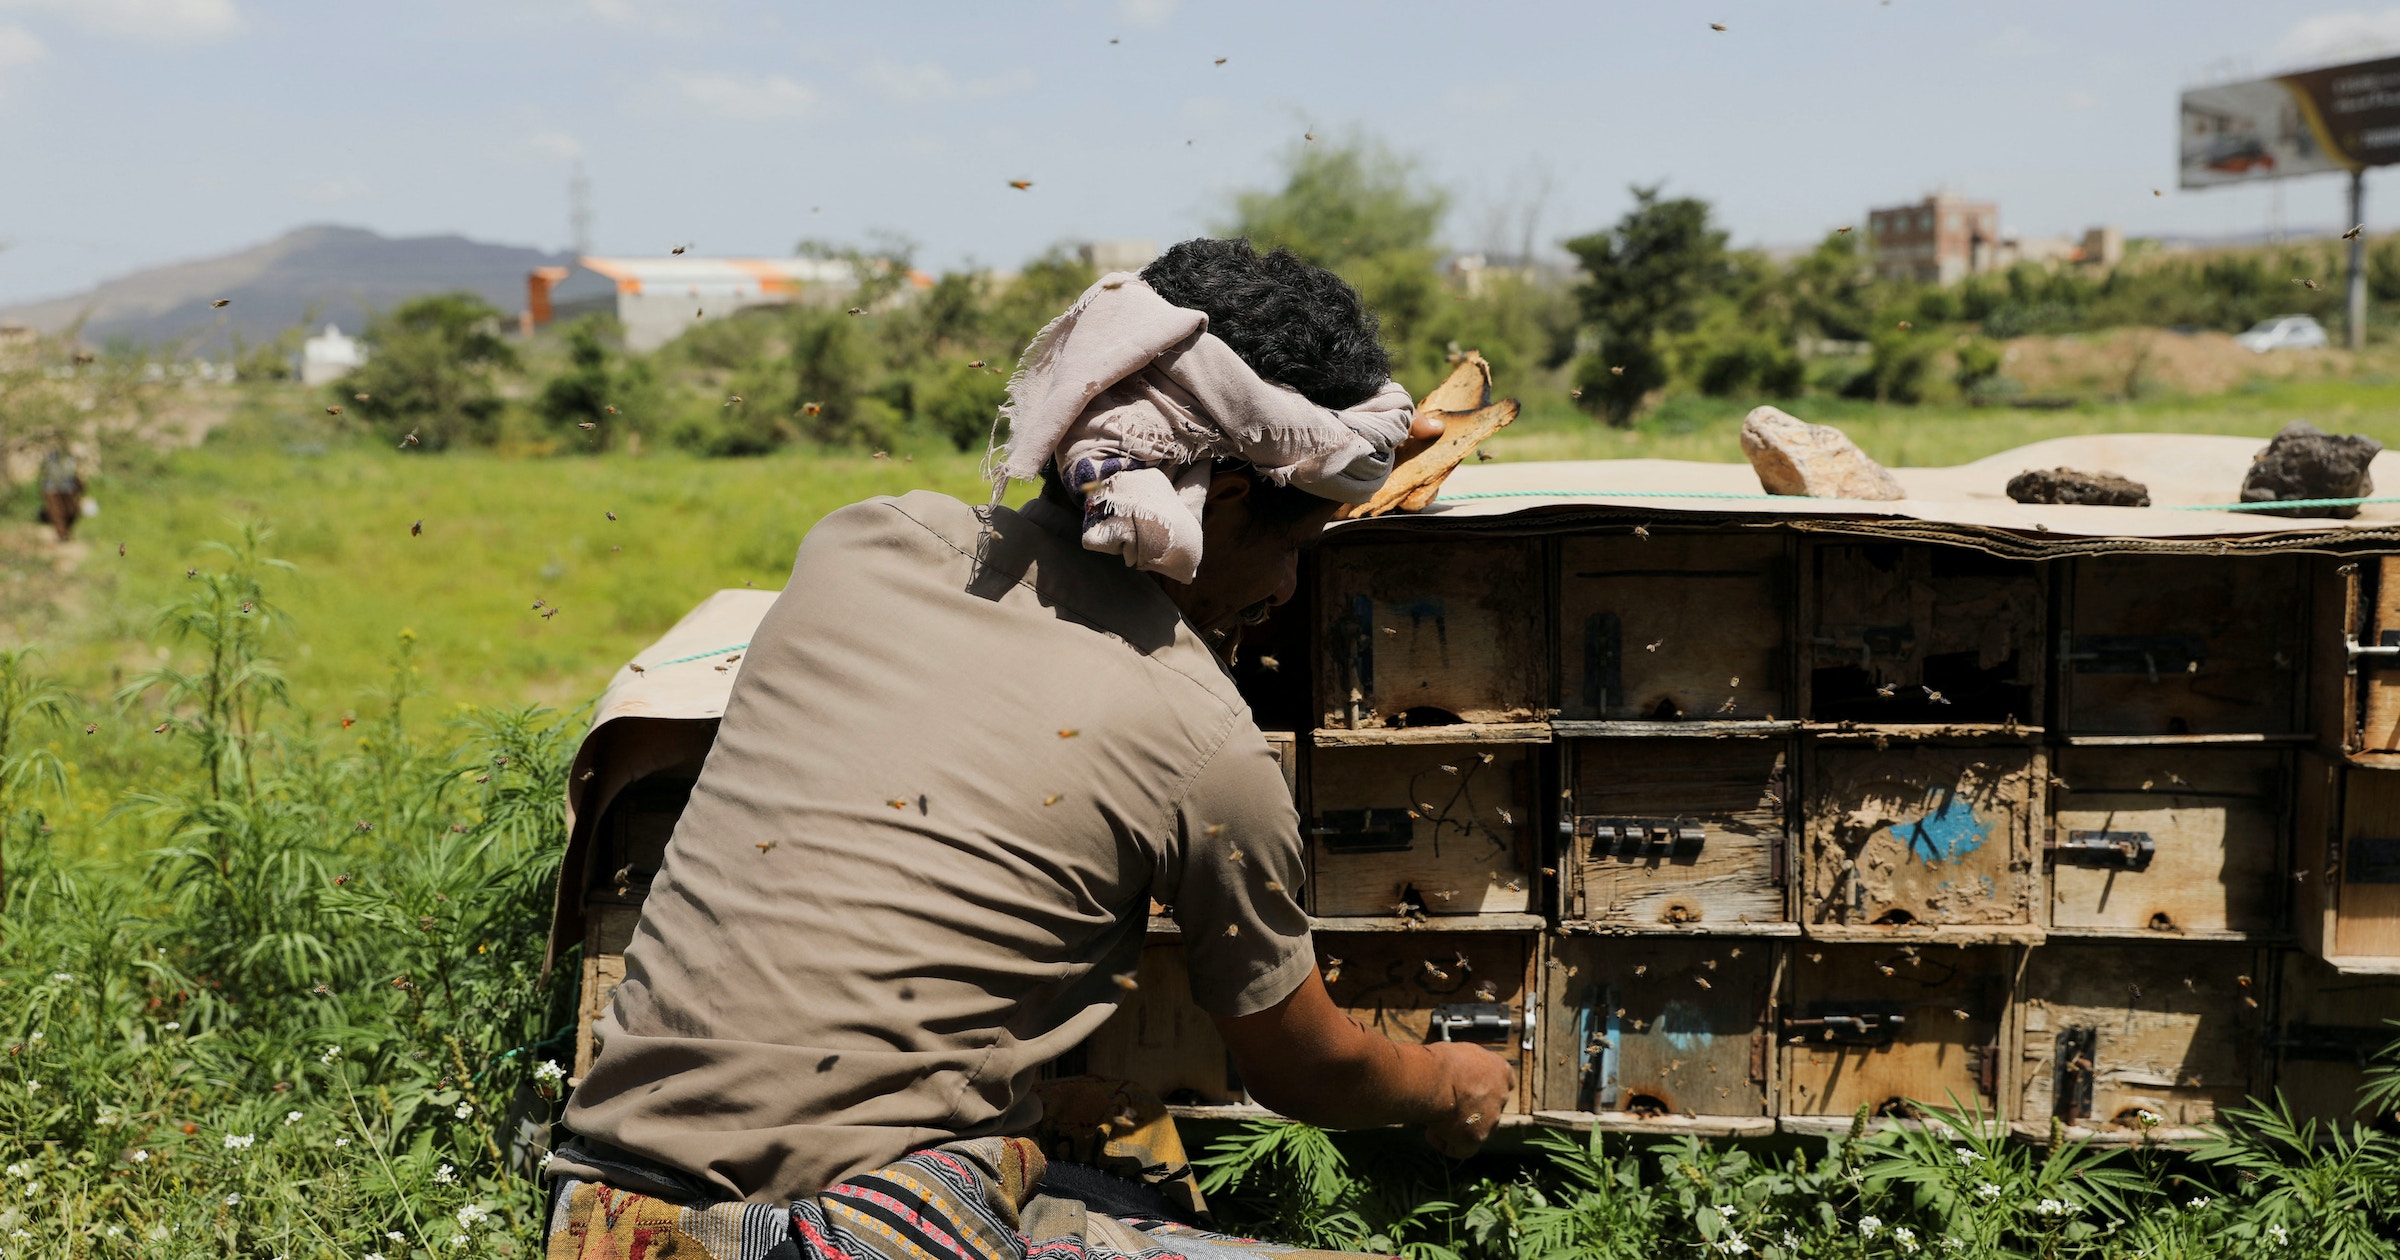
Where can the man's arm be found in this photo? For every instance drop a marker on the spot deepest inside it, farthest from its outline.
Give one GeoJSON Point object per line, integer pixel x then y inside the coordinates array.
{"type": "Point", "coordinates": [1308, 1059]}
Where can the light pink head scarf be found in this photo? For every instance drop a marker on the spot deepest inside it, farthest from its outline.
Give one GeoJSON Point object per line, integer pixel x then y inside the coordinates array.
{"type": "Point", "coordinates": [1133, 398]}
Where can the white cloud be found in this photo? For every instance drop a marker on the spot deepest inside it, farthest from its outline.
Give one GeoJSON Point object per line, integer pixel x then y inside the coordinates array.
{"type": "Point", "coordinates": [333, 191]}
{"type": "Point", "coordinates": [166, 20]}
{"type": "Point", "coordinates": [2334, 38]}
{"type": "Point", "coordinates": [929, 82]}
{"type": "Point", "coordinates": [18, 47]}
{"type": "Point", "coordinates": [749, 98]}
{"type": "Point", "coordinates": [1146, 12]}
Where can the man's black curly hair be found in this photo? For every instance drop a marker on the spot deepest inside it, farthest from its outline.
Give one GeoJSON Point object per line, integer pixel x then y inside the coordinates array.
{"type": "Point", "coordinates": [1293, 323]}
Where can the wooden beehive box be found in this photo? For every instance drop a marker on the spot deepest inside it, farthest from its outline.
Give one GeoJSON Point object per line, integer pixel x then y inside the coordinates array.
{"type": "Point", "coordinates": [1911, 633]}
{"type": "Point", "coordinates": [2346, 864]}
{"type": "Point", "coordinates": [1420, 986]}
{"type": "Point", "coordinates": [1655, 1033]}
{"type": "Point", "coordinates": [1402, 831]}
{"type": "Point", "coordinates": [2183, 645]}
{"type": "Point", "coordinates": [1907, 839]}
{"type": "Point", "coordinates": [2358, 626]}
{"type": "Point", "coordinates": [2168, 839]}
{"type": "Point", "coordinates": [2328, 1029]}
{"type": "Point", "coordinates": [2112, 1034]}
{"type": "Point", "coordinates": [1890, 1028]}
{"type": "Point", "coordinates": [1419, 630]}
{"type": "Point", "coordinates": [1674, 626]}
{"type": "Point", "coordinates": [1677, 835]}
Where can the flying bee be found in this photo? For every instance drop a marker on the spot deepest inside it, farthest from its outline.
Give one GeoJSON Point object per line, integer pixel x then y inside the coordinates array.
{"type": "Point", "coordinates": [1220, 61]}
{"type": "Point", "coordinates": [1716, 26]}
{"type": "Point", "coordinates": [2311, 284]}
{"type": "Point", "coordinates": [587, 425]}
{"type": "Point", "coordinates": [610, 515]}
{"type": "Point", "coordinates": [411, 439]}
{"type": "Point", "coordinates": [734, 401]}
{"type": "Point", "coordinates": [333, 411]}
{"type": "Point", "coordinates": [1436, 972]}
{"type": "Point", "coordinates": [1126, 981]}
{"type": "Point", "coordinates": [1616, 371]}
{"type": "Point", "coordinates": [679, 249]}
{"type": "Point", "coordinates": [855, 310]}
{"type": "Point", "coordinates": [415, 528]}
{"type": "Point", "coordinates": [1020, 184]}
{"type": "Point", "coordinates": [220, 304]}
{"type": "Point", "coordinates": [810, 409]}
{"type": "Point", "coordinates": [2353, 233]}
{"type": "Point", "coordinates": [611, 410]}
{"type": "Point", "coordinates": [1052, 799]}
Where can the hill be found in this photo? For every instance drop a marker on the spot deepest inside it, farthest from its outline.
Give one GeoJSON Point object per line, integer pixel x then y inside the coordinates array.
{"type": "Point", "coordinates": [314, 273]}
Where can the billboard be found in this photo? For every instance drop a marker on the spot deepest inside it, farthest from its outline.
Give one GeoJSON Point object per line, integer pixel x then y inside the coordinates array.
{"type": "Point", "coordinates": [2340, 118]}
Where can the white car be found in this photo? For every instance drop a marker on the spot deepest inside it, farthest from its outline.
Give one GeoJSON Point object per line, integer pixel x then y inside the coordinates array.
{"type": "Point", "coordinates": [2285, 332]}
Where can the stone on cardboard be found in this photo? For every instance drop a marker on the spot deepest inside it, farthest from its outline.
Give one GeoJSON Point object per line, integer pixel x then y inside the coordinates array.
{"type": "Point", "coordinates": [2071, 485]}
{"type": "Point", "coordinates": [1818, 461]}
{"type": "Point", "coordinates": [2306, 462]}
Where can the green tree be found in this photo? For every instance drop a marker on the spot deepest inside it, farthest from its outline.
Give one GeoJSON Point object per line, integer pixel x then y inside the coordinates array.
{"type": "Point", "coordinates": [1360, 210]}
{"type": "Point", "coordinates": [600, 388]}
{"type": "Point", "coordinates": [431, 370]}
{"type": "Point", "coordinates": [1645, 279]}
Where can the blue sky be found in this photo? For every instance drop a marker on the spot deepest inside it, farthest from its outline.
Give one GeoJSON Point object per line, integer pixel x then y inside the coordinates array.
{"type": "Point", "coordinates": [135, 132]}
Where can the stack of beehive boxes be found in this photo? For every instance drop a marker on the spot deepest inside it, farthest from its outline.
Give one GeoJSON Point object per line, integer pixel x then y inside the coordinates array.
{"type": "Point", "coordinates": [1732, 826]}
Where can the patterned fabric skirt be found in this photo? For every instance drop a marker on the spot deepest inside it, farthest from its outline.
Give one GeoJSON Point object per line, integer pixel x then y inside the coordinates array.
{"type": "Point", "coordinates": [969, 1200]}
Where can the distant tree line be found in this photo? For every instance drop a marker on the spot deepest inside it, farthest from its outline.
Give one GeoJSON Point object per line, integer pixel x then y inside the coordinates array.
{"type": "Point", "coordinates": [1656, 303]}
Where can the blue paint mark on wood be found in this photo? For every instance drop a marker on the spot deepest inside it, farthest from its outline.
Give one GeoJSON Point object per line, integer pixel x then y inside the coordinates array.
{"type": "Point", "coordinates": [1948, 831]}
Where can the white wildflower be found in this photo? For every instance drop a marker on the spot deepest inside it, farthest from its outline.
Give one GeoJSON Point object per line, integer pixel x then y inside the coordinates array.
{"type": "Point", "coordinates": [2200, 1202]}
{"type": "Point", "coordinates": [339, 1143]}
{"type": "Point", "coordinates": [1867, 1226]}
{"type": "Point", "coordinates": [20, 1234]}
{"type": "Point", "coordinates": [32, 1188]}
{"type": "Point", "coordinates": [1791, 1241]}
{"type": "Point", "coordinates": [116, 1231]}
{"type": "Point", "coordinates": [2149, 1119]}
{"type": "Point", "coordinates": [445, 1175]}
{"type": "Point", "coordinates": [233, 1200]}
{"type": "Point", "coordinates": [141, 1157]}
{"type": "Point", "coordinates": [331, 1053]}
{"type": "Point", "coordinates": [240, 1141]}
{"type": "Point", "coordinates": [458, 1240]}
{"type": "Point", "coordinates": [395, 1235]}
{"type": "Point", "coordinates": [465, 1110]}
{"type": "Point", "coordinates": [171, 1026]}
{"type": "Point", "coordinates": [374, 1255]}
{"type": "Point", "coordinates": [20, 1170]}
{"type": "Point", "coordinates": [549, 1070]}
{"type": "Point", "coordinates": [2055, 1207]}
{"type": "Point", "coordinates": [1987, 1190]}
{"type": "Point", "coordinates": [37, 1036]}
{"type": "Point", "coordinates": [2277, 1233]}
{"type": "Point", "coordinates": [472, 1214]}
{"type": "Point", "coordinates": [33, 1087]}
{"type": "Point", "coordinates": [291, 1117]}
{"type": "Point", "coordinates": [1727, 1212]}
{"type": "Point", "coordinates": [1906, 1237]}
{"type": "Point", "coordinates": [1967, 1158]}
{"type": "Point", "coordinates": [60, 977]}
{"type": "Point", "coordinates": [1733, 1245]}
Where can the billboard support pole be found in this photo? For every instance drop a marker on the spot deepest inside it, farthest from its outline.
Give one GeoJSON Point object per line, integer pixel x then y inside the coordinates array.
{"type": "Point", "coordinates": [2357, 291]}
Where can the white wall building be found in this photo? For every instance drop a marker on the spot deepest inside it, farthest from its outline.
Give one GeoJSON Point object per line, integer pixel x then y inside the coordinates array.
{"type": "Point", "coordinates": [329, 356]}
{"type": "Point", "coordinates": [656, 299]}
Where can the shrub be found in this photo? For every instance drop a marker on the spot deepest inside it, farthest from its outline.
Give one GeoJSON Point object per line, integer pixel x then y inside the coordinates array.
{"type": "Point", "coordinates": [430, 376]}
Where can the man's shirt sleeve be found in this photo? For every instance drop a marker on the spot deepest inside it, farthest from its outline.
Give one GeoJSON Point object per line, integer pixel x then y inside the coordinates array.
{"type": "Point", "coordinates": [1234, 880]}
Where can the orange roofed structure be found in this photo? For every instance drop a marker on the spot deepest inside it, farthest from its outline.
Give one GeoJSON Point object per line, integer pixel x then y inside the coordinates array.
{"type": "Point", "coordinates": [655, 299]}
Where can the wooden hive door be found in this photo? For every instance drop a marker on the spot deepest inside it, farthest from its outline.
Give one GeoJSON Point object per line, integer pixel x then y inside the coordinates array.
{"type": "Point", "coordinates": [2184, 645]}
{"type": "Point", "coordinates": [2377, 684]}
{"type": "Point", "coordinates": [2111, 1031]}
{"type": "Point", "coordinates": [1162, 1042]}
{"type": "Point", "coordinates": [2168, 839]}
{"type": "Point", "coordinates": [1656, 1028]}
{"type": "Point", "coordinates": [2367, 908]}
{"type": "Point", "coordinates": [1909, 633]}
{"type": "Point", "coordinates": [1408, 830]}
{"type": "Point", "coordinates": [1424, 632]}
{"type": "Point", "coordinates": [2329, 1027]}
{"type": "Point", "coordinates": [1668, 833]}
{"type": "Point", "coordinates": [1402, 984]}
{"type": "Point", "coordinates": [1922, 837]}
{"type": "Point", "coordinates": [1893, 1029]}
{"type": "Point", "coordinates": [1673, 626]}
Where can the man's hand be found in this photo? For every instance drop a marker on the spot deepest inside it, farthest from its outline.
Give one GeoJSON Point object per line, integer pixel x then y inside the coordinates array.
{"type": "Point", "coordinates": [1308, 1059]}
{"type": "Point", "coordinates": [1482, 1084]}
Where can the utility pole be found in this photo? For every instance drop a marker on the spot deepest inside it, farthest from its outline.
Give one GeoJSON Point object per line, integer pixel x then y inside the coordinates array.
{"type": "Point", "coordinates": [2357, 293]}
{"type": "Point", "coordinates": [579, 210]}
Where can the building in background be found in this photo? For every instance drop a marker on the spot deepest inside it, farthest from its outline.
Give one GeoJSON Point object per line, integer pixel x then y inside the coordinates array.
{"type": "Point", "coordinates": [1946, 238]}
{"type": "Point", "coordinates": [656, 299]}
{"type": "Point", "coordinates": [329, 356]}
{"type": "Point", "coordinates": [1940, 240]}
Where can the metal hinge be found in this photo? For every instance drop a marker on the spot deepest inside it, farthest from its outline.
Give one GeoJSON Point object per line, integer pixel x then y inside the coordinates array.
{"type": "Point", "coordinates": [1365, 830]}
{"type": "Point", "coordinates": [1483, 1023]}
{"type": "Point", "coordinates": [2386, 649]}
{"type": "Point", "coordinates": [2122, 850]}
{"type": "Point", "coordinates": [1851, 1027]}
{"type": "Point", "coordinates": [2074, 1072]}
{"type": "Point", "coordinates": [1639, 837]}
{"type": "Point", "coordinates": [2151, 654]}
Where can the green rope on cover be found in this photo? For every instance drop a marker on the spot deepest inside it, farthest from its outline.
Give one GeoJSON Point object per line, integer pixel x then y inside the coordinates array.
{"type": "Point", "coordinates": [2267, 505]}
{"type": "Point", "coordinates": [696, 656]}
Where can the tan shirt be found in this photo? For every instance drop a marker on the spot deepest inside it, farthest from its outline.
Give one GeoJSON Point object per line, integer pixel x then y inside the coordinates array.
{"type": "Point", "coordinates": [924, 844]}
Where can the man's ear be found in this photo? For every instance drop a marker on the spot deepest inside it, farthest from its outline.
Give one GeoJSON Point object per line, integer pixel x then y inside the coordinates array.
{"type": "Point", "coordinates": [1229, 489]}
